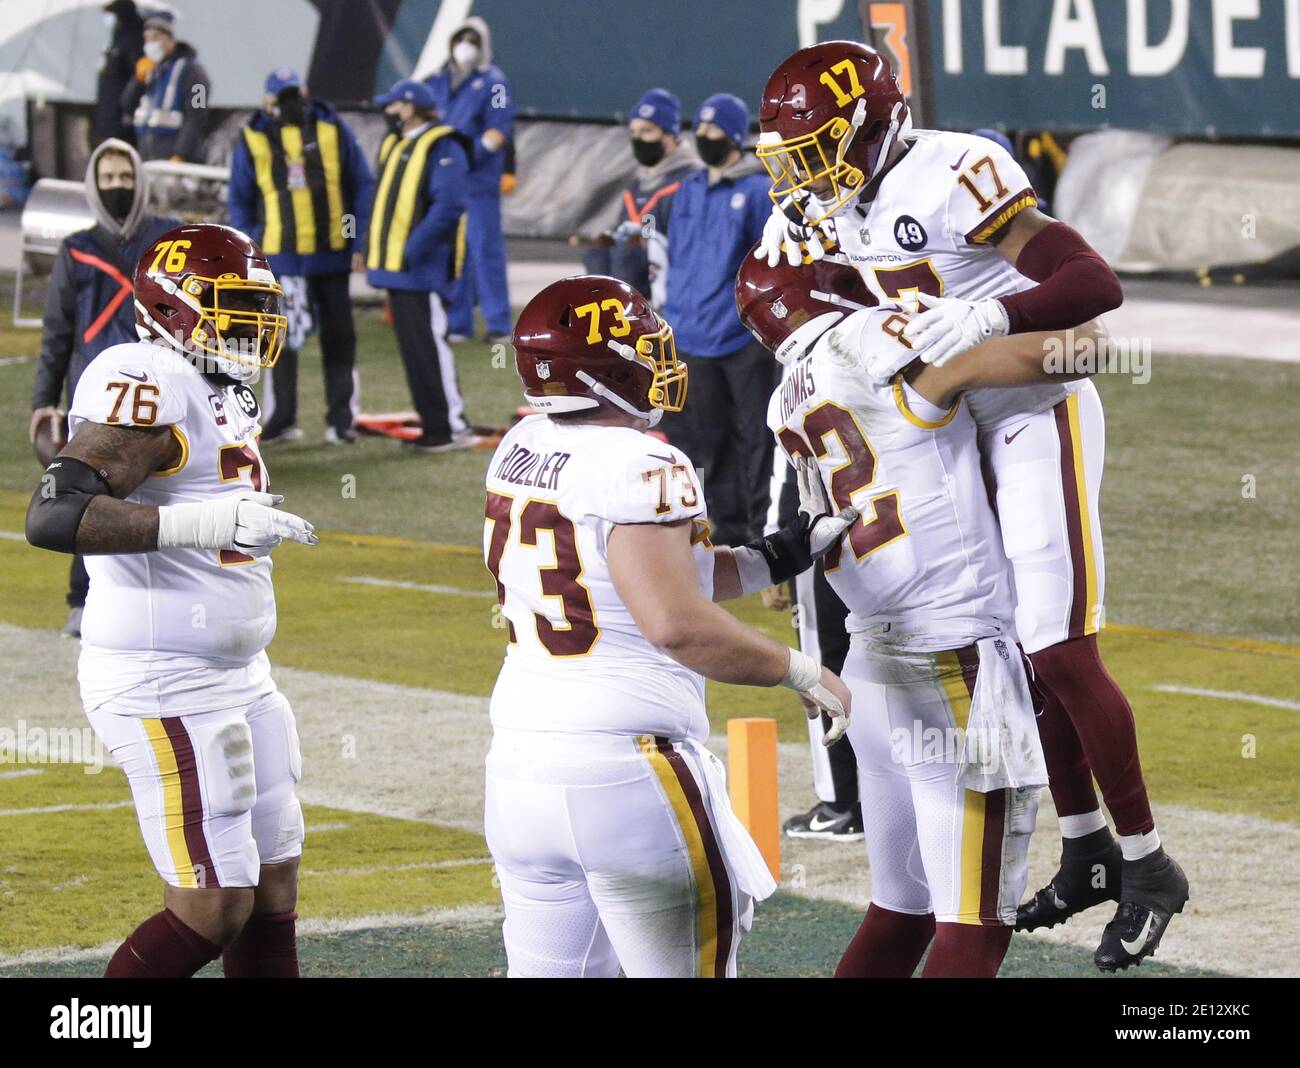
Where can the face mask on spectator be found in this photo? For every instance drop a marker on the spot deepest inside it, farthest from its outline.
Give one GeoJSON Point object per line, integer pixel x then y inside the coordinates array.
{"type": "Point", "coordinates": [117, 201]}
{"type": "Point", "coordinates": [394, 121]}
{"type": "Point", "coordinates": [713, 150]}
{"type": "Point", "coordinates": [153, 50]}
{"type": "Point", "coordinates": [293, 109]}
{"type": "Point", "coordinates": [647, 153]}
{"type": "Point", "coordinates": [465, 53]}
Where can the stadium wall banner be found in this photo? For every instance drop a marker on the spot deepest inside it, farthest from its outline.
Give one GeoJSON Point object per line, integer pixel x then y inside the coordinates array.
{"type": "Point", "coordinates": [1229, 68]}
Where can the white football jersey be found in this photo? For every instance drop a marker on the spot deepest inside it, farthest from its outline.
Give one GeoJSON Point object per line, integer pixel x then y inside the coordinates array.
{"type": "Point", "coordinates": [926, 231]}
{"type": "Point", "coordinates": [576, 660]}
{"type": "Point", "coordinates": [925, 558]}
{"type": "Point", "coordinates": [217, 605]}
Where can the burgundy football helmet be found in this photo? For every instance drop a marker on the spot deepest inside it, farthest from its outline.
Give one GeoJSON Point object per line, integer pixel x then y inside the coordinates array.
{"type": "Point", "coordinates": [208, 291]}
{"type": "Point", "coordinates": [786, 307]}
{"type": "Point", "coordinates": [590, 340]}
{"type": "Point", "coordinates": [829, 116]}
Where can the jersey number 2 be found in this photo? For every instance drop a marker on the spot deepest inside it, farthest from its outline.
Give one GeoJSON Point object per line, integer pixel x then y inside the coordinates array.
{"type": "Point", "coordinates": [881, 521]}
{"type": "Point", "coordinates": [561, 581]}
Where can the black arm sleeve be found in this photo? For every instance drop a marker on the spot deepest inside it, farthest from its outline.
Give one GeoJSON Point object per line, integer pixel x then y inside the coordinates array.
{"type": "Point", "coordinates": [60, 501]}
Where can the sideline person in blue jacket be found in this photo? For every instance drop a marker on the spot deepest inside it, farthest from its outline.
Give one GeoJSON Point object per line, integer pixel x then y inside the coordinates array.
{"type": "Point", "coordinates": [718, 215]}
{"type": "Point", "coordinates": [300, 187]}
{"type": "Point", "coordinates": [473, 96]}
{"type": "Point", "coordinates": [415, 247]}
{"type": "Point", "coordinates": [90, 305]}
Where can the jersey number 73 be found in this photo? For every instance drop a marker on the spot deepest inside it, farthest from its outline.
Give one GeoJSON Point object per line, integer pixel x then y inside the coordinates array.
{"type": "Point", "coordinates": [562, 581]}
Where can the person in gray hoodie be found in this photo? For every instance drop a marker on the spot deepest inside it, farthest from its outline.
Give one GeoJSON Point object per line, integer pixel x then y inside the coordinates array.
{"type": "Point", "coordinates": [89, 305]}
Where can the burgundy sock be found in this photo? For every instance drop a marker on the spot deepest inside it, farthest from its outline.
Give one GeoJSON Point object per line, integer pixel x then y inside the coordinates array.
{"type": "Point", "coordinates": [163, 947]}
{"type": "Point", "coordinates": [1068, 774]}
{"type": "Point", "coordinates": [267, 948]}
{"type": "Point", "coordinates": [1103, 720]}
{"type": "Point", "coordinates": [966, 951]}
{"type": "Point", "coordinates": [888, 945]}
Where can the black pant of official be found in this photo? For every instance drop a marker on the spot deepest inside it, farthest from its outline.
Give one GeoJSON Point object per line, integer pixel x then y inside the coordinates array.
{"type": "Point", "coordinates": [331, 309]}
{"type": "Point", "coordinates": [420, 322]}
{"type": "Point", "coordinates": [723, 429]}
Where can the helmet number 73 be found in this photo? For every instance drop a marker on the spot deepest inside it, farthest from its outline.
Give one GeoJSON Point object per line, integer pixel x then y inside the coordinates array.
{"type": "Point", "coordinates": [621, 327]}
{"type": "Point", "coordinates": [881, 521]}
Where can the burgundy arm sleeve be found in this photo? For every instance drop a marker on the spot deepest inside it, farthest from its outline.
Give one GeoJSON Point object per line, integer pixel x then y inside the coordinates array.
{"type": "Point", "coordinates": [1074, 283]}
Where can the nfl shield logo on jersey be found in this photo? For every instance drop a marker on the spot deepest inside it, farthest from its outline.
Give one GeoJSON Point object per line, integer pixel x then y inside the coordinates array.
{"type": "Point", "coordinates": [543, 369]}
{"type": "Point", "coordinates": [779, 309]}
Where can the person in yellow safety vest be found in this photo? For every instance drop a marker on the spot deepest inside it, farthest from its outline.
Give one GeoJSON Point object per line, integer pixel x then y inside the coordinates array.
{"type": "Point", "coordinates": [300, 186]}
{"type": "Point", "coordinates": [415, 249]}
{"type": "Point", "coordinates": [168, 99]}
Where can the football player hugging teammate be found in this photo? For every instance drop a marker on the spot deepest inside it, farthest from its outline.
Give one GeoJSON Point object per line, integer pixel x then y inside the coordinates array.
{"type": "Point", "coordinates": [945, 226]}
{"type": "Point", "coordinates": [162, 488]}
{"type": "Point", "coordinates": [607, 817]}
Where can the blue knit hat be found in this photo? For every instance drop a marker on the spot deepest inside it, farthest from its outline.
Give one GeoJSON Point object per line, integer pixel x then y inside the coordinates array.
{"type": "Point", "coordinates": [660, 107]}
{"type": "Point", "coordinates": [728, 112]}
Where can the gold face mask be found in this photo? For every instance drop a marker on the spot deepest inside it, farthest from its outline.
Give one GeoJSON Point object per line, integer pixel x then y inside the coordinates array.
{"type": "Point", "coordinates": [797, 164]}
{"type": "Point", "coordinates": [241, 319]}
{"type": "Point", "coordinates": [658, 351]}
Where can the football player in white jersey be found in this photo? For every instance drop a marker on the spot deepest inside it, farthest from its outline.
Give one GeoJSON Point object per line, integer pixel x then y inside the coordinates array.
{"type": "Point", "coordinates": [949, 759]}
{"type": "Point", "coordinates": [162, 488]}
{"type": "Point", "coordinates": [948, 224]}
{"type": "Point", "coordinates": [607, 817]}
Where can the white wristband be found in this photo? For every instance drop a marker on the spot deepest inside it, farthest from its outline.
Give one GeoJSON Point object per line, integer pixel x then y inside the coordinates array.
{"type": "Point", "coordinates": [751, 569]}
{"type": "Point", "coordinates": [803, 673]}
{"type": "Point", "coordinates": [197, 525]}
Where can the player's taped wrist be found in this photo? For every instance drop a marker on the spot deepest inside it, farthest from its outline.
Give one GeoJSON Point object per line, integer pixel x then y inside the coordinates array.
{"type": "Point", "coordinates": [774, 558]}
{"type": "Point", "coordinates": [802, 673]}
{"type": "Point", "coordinates": [198, 524]}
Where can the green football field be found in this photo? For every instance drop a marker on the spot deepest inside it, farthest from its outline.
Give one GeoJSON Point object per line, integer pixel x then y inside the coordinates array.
{"type": "Point", "coordinates": [387, 650]}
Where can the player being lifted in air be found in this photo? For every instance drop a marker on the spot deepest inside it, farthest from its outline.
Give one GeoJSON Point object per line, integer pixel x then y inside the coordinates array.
{"type": "Point", "coordinates": [949, 761]}
{"type": "Point", "coordinates": [162, 488]}
{"type": "Point", "coordinates": [607, 817]}
{"type": "Point", "coordinates": [948, 224]}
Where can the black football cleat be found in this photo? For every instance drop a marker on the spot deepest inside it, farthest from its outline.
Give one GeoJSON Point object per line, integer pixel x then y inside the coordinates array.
{"type": "Point", "coordinates": [1154, 889]}
{"type": "Point", "coordinates": [1089, 875]}
{"type": "Point", "coordinates": [827, 823]}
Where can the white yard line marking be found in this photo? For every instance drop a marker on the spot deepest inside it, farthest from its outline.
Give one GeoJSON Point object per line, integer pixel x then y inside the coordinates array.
{"type": "Point", "coordinates": [422, 587]}
{"type": "Point", "coordinates": [432, 865]}
{"type": "Point", "coordinates": [1232, 695]}
{"type": "Point", "coordinates": [8, 360]}
{"type": "Point", "coordinates": [44, 810]}
{"type": "Point", "coordinates": [21, 773]}
{"type": "Point", "coordinates": [12, 535]}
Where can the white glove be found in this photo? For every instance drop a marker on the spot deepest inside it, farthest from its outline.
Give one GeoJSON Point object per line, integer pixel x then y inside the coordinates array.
{"type": "Point", "coordinates": [246, 523]}
{"type": "Point", "coordinates": [950, 326]}
{"type": "Point", "coordinates": [794, 240]}
{"type": "Point", "coordinates": [804, 677]}
{"type": "Point", "coordinates": [825, 527]}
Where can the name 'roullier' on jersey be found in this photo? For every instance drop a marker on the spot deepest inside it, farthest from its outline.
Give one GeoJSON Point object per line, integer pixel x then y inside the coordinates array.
{"type": "Point", "coordinates": [208, 292]}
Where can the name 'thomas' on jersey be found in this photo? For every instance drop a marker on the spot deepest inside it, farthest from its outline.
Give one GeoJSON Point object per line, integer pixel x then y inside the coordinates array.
{"type": "Point", "coordinates": [927, 230]}
{"type": "Point", "coordinates": [926, 554]}
{"type": "Point", "coordinates": [216, 605]}
{"type": "Point", "coordinates": [576, 661]}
